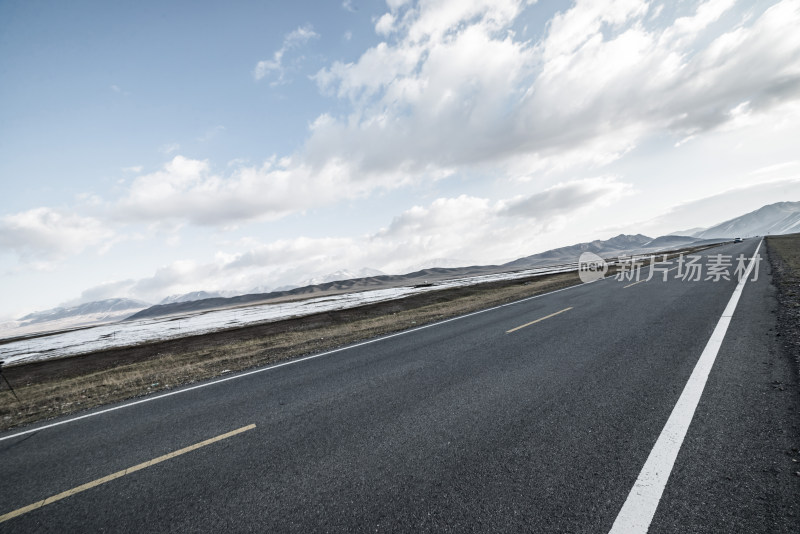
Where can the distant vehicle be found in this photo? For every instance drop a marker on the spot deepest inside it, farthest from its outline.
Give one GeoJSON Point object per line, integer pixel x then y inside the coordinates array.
{"type": "Point", "coordinates": [738, 240]}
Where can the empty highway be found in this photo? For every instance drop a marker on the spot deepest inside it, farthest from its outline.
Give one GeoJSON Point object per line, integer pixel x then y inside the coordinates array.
{"type": "Point", "coordinates": [537, 416]}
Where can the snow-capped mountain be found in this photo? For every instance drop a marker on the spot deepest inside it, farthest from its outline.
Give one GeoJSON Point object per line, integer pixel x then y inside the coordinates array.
{"type": "Point", "coordinates": [778, 218]}
{"type": "Point", "coordinates": [103, 308]}
{"type": "Point", "coordinates": [446, 263]}
{"type": "Point", "coordinates": [344, 274]}
{"type": "Point", "coordinates": [64, 317]}
{"type": "Point", "coordinates": [197, 295]}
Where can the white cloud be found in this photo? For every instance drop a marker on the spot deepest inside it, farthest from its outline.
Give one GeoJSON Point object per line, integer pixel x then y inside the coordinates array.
{"type": "Point", "coordinates": [689, 27]}
{"type": "Point", "coordinates": [455, 91]}
{"type": "Point", "coordinates": [384, 24]}
{"type": "Point", "coordinates": [394, 5]}
{"type": "Point", "coordinates": [292, 40]}
{"type": "Point", "coordinates": [455, 88]}
{"type": "Point", "coordinates": [570, 30]}
{"type": "Point", "coordinates": [177, 277]}
{"type": "Point", "coordinates": [565, 198]}
{"type": "Point", "coordinates": [488, 231]}
{"type": "Point", "coordinates": [106, 290]}
{"type": "Point", "coordinates": [435, 21]}
{"type": "Point", "coordinates": [189, 190]}
{"type": "Point", "coordinates": [452, 90]}
{"type": "Point", "coordinates": [41, 236]}
{"type": "Point", "coordinates": [483, 230]}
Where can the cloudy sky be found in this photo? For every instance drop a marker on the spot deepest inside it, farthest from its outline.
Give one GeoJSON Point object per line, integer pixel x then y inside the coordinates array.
{"type": "Point", "coordinates": [155, 148]}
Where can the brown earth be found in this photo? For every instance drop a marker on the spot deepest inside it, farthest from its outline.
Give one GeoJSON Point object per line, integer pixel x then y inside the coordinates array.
{"type": "Point", "coordinates": [61, 386]}
{"type": "Point", "coordinates": [784, 257]}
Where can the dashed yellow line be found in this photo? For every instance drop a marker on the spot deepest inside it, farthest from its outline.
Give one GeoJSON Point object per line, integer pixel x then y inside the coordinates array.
{"type": "Point", "coordinates": [537, 320]}
{"type": "Point", "coordinates": [118, 474]}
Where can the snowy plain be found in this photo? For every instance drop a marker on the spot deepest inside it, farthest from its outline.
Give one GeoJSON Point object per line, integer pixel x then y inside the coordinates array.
{"type": "Point", "coordinates": [129, 333]}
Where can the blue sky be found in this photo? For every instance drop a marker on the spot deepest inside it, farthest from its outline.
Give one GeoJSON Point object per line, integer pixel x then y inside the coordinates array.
{"type": "Point", "coordinates": [154, 148]}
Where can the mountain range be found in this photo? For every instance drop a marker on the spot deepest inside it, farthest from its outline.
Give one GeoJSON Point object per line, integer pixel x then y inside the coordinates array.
{"type": "Point", "coordinates": [621, 244]}
{"type": "Point", "coordinates": [104, 309]}
{"type": "Point", "coordinates": [344, 274]}
{"type": "Point", "coordinates": [610, 247]}
{"type": "Point", "coordinates": [65, 317]}
{"type": "Point", "coordinates": [197, 295]}
{"type": "Point", "coordinates": [779, 218]}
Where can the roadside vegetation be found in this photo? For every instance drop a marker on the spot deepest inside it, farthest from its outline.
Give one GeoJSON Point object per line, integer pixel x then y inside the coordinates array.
{"type": "Point", "coordinates": [51, 388]}
{"type": "Point", "coordinates": [784, 257]}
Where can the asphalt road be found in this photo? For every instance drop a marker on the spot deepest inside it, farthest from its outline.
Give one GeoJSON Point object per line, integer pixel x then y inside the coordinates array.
{"type": "Point", "coordinates": [457, 427]}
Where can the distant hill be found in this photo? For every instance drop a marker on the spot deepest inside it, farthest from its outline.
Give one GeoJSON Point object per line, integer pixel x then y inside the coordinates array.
{"type": "Point", "coordinates": [312, 290]}
{"type": "Point", "coordinates": [670, 241]}
{"type": "Point", "coordinates": [108, 307]}
{"type": "Point", "coordinates": [437, 262]}
{"type": "Point", "coordinates": [621, 244]}
{"type": "Point", "coordinates": [189, 297]}
{"type": "Point", "coordinates": [608, 248]}
{"type": "Point", "coordinates": [778, 218]}
{"type": "Point", "coordinates": [343, 274]}
{"type": "Point", "coordinates": [66, 317]}
{"type": "Point", "coordinates": [343, 281]}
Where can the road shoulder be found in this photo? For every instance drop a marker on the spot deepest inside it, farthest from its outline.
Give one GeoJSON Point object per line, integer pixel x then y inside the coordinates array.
{"type": "Point", "coordinates": [737, 470]}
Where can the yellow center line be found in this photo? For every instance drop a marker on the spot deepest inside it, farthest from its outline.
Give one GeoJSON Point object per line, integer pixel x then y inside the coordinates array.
{"type": "Point", "coordinates": [633, 284]}
{"type": "Point", "coordinates": [118, 474]}
{"type": "Point", "coordinates": [537, 320]}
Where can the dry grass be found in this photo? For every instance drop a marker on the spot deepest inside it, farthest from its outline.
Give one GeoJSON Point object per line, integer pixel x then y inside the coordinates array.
{"type": "Point", "coordinates": [787, 247]}
{"type": "Point", "coordinates": [784, 257]}
{"type": "Point", "coordinates": [43, 399]}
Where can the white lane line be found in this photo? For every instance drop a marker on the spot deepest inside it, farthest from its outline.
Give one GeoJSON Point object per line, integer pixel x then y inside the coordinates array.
{"type": "Point", "coordinates": [284, 364]}
{"type": "Point", "coordinates": [640, 506]}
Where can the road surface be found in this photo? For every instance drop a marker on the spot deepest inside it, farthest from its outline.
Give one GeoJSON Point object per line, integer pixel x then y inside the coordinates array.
{"type": "Point", "coordinates": [537, 416]}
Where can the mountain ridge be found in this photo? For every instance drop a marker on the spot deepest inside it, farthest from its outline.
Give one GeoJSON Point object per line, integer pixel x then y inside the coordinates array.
{"type": "Point", "coordinates": [621, 243]}
{"type": "Point", "coordinates": [777, 218]}
{"type": "Point", "coordinates": [108, 306]}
